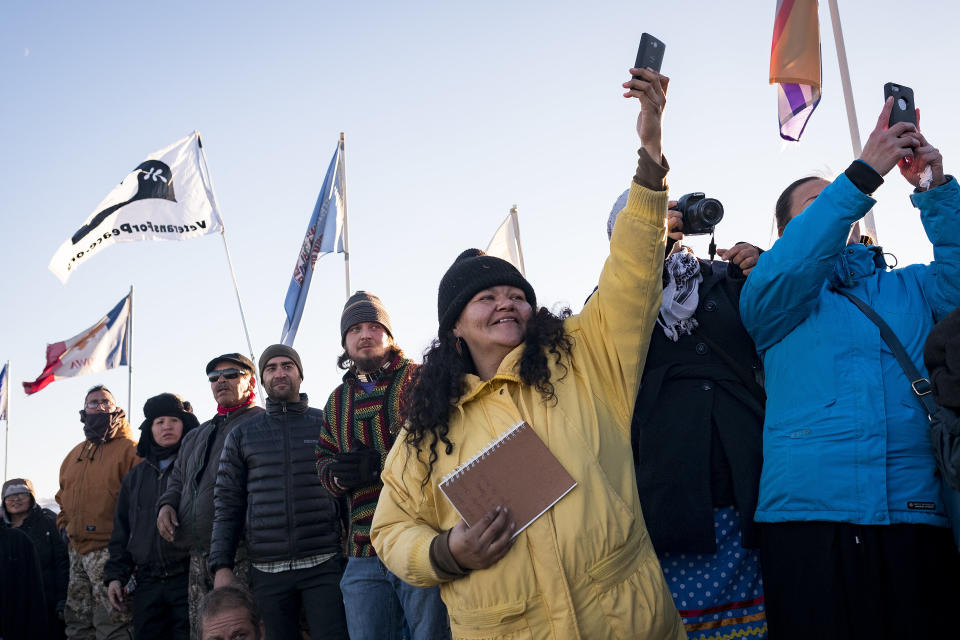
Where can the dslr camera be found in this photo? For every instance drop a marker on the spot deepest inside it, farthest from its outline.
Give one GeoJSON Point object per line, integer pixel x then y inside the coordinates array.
{"type": "Point", "coordinates": [700, 213]}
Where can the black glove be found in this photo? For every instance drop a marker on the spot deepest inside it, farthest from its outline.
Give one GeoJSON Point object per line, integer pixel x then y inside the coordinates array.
{"type": "Point", "coordinates": [357, 468]}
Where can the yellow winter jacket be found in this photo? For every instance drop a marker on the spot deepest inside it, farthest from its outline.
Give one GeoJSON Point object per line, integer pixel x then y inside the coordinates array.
{"type": "Point", "coordinates": [586, 568]}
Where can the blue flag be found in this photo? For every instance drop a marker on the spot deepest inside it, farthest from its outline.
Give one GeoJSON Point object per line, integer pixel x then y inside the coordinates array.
{"type": "Point", "coordinates": [4, 391]}
{"type": "Point", "coordinates": [324, 235]}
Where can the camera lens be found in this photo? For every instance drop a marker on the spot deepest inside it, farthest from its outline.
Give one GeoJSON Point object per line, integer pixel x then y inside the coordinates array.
{"type": "Point", "coordinates": [711, 211]}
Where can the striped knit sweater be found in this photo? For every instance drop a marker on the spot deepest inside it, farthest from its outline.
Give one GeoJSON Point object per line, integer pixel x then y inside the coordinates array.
{"type": "Point", "coordinates": [353, 418]}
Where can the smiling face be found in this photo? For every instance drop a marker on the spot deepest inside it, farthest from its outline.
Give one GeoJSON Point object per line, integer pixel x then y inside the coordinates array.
{"type": "Point", "coordinates": [166, 430]}
{"type": "Point", "coordinates": [494, 322]}
{"type": "Point", "coordinates": [281, 379]}
{"type": "Point", "coordinates": [230, 391]}
{"type": "Point", "coordinates": [17, 503]}
{"type": "Point", "coordinates": [367, 344]}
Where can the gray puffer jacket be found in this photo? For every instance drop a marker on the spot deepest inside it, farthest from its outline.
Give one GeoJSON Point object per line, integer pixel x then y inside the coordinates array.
{"type": "Point", "coordinates": [267, 487]}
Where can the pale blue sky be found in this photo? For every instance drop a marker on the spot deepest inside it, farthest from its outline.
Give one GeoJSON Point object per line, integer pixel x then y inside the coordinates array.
{"type": "Point", "coordinates": [452, 112]}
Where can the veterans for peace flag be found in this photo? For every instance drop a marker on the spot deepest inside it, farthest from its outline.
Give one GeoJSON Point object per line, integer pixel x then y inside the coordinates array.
{"type": "Point", "coordinates": [105, 345]}
{"type": "Point", "coordinates": [166, 197]}
{"type": "Point", "coordinates": [324, 235]}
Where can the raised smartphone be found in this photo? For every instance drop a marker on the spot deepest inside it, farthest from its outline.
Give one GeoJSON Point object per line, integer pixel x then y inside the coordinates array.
{"type": "Point", "coordinates": [650, 53]}
{"type": "Point", "coordinates": [904, 108]}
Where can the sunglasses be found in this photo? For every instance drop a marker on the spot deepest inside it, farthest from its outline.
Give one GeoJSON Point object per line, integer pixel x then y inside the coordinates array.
{"type": "Point", "coordinates": [229, 374]}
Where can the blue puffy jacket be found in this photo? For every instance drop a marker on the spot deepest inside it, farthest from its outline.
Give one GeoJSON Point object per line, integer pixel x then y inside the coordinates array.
{"type": "Point", "coordinates": [844, 439]}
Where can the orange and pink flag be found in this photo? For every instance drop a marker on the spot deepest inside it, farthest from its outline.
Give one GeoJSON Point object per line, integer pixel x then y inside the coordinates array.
{"type": "Point", "coordinates": [795, 64]}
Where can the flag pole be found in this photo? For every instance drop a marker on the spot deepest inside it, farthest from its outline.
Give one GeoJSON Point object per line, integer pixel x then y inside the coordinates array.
{"type": "Point", "coordinates": [870, 228]}
{"type": "Point", "coordinates": [130, 356]}
{"type": "Point", "coordinates": [516, 230]}
{"type": "Point", "coordinates": [6, 437]}
{"type": "Point", "coordinates": [346, 240]}
{"type": "Point", "coordinates": [223, 235]}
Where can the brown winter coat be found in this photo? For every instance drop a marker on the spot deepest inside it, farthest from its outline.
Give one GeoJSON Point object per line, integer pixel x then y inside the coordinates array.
{"type": "Point", "coordinates": [90, 479]}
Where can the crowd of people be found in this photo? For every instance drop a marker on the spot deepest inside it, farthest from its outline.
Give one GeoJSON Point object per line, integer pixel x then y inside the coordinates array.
{"type": "Point", "coordinates": [750, 458]}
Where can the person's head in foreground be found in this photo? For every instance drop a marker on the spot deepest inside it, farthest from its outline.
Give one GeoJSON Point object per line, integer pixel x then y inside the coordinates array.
{"type": "Point", "coordinates": [230, 613]}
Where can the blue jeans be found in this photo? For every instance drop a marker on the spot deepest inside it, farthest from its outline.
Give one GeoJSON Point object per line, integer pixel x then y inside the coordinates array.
{"type": "Point", "coordinates": [377, 602]}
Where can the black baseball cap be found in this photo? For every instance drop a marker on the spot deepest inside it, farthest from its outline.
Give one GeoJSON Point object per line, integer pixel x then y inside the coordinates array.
{"type": "Point", "coordinates": [238, 359]}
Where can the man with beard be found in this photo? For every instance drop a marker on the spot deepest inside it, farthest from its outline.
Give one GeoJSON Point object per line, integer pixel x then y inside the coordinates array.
{"type": "Point", "coordinates": [360, 424]}
{"type": "Point", "coordinates": [267, 489]}
{"type": "Point", "coordinates": [90, 479]}
{"type": "Point", "coordinates": [186, 507]}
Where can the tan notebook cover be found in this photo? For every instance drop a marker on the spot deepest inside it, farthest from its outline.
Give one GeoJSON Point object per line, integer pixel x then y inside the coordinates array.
{"type": "Point", "coordinates": [516, 471]}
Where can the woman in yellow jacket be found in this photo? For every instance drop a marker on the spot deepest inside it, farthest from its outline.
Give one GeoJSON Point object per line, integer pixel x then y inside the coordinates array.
{"type": "Point", "coordinates": [585, 568]}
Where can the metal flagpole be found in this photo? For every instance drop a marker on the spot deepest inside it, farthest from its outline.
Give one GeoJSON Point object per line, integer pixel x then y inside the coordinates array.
{"type": "Point", "coordinates": [130, 356]}
{"type": "Point", "coordinates": [516, 232]}
{"type": "Point", "coordinates": [223, 234]}
{"type": "Point", "coordinates": [869, 226]}
{"type": "Point", "coordinates": [346, 240]}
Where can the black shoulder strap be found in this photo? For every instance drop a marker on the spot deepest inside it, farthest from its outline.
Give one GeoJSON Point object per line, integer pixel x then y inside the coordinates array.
{"type": "Point", "coordinates": [920, 385]}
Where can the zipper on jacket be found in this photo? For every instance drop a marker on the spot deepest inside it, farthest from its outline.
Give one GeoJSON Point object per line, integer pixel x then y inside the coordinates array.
{"type": "Point", "coordinates": [286, 479]}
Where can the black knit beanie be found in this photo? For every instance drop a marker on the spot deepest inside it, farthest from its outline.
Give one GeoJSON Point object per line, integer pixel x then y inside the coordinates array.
{"type": "Point", "coordinates": [275, 350]}
{"type": "Point", "coordinates": [166, 404]}
{"type": "Point", "coordinates": [471, 272]}
{"type": "Point", "coordinates": [363, 307]}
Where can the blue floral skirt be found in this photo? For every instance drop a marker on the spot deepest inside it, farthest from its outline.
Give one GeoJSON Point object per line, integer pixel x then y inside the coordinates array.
{"type": "Point", "coordinates": [719, 595]}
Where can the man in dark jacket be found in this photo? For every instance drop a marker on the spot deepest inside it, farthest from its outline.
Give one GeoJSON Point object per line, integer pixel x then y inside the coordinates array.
{"type": "Point", "coordinates": [268, 489]}
{"type": "Point", "coordinates": [20, 510]}
{"type": "Point", "coordinates": [186, 506]}
{"type": "Point", "coordinates": [160, 599]}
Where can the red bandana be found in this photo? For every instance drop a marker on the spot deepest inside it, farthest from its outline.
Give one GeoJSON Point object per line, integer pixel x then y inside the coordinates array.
{"type": "Point", "coordinates": [222, 411]}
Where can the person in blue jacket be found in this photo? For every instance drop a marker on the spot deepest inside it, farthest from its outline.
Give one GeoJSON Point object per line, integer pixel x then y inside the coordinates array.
{"type": "Point", "coordinates": [853, 537]}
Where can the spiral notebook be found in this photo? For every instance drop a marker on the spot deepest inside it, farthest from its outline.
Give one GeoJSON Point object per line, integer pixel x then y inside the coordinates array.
{"type": "Point", "coordinates": [516, 471]}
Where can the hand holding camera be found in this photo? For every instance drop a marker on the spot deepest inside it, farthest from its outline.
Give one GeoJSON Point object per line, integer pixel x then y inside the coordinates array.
{"type": "Point", "coordinates": [358, 468]}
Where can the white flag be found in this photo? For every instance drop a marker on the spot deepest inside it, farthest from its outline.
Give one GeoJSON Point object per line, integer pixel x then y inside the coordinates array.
{"type": "Point", "coordinates": [166, 197]}
{"type": "Point", "coordinates": [506, 242]}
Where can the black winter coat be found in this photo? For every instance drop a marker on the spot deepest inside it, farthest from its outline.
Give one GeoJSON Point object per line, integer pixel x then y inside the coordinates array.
{"type": "Point", "coordinates": [697, 426]}
{"type": "Point", "coordinates": [23, 611]}
{"type": "Point", "coordinates": [190, 487]}
{"type": "Point", "coordinates": [267, 485]}
{"type": "Point", "coordinates": [40, 525]}
{"type": "Point", "coordinates": [135, 541]}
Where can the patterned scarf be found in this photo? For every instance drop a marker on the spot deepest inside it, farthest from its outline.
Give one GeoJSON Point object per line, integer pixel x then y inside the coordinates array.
{"type": "Point", "coordinates": [680, 295]}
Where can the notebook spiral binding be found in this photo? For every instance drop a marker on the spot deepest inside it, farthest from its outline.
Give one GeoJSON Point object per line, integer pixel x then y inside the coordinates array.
{"type": "Point", "coordinates": [486, 451]}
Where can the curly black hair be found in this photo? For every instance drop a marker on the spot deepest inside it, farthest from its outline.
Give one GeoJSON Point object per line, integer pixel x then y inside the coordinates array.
{"type": "Point", "coordinates": [438, 384]}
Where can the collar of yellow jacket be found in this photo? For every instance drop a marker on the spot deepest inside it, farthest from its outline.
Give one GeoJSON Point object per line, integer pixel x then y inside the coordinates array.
{"type": "Point", "coordinates": [507, 371]}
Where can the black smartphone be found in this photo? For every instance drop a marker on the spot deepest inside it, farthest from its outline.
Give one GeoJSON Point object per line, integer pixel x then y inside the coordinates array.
{"type": "Point", "coordinates": [650, 53]}
{"type": "Point", "coordinates": [904, 108]}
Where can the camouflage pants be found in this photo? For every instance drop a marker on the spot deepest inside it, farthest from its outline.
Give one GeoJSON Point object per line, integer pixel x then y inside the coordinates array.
{"type": "Point", "coordinates": [88, 613]}
{"type": "Point", "coordinates": [201, 583]}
